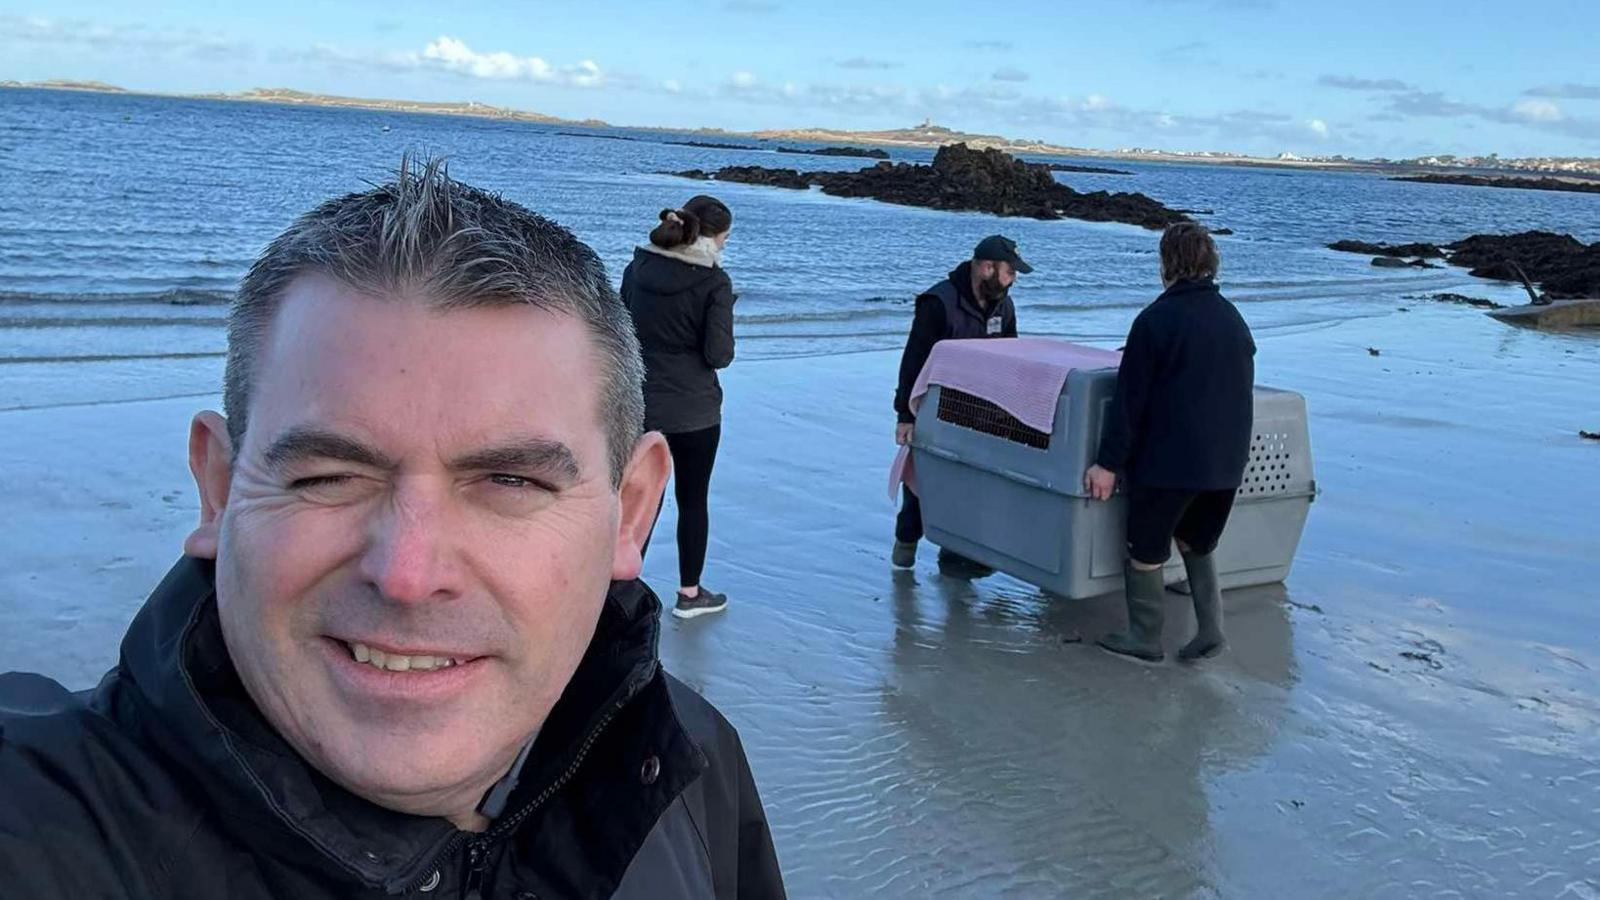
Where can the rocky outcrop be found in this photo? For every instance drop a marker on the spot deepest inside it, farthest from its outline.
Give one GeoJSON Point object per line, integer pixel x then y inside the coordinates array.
{"type": "Point", "coordinates": [704, 145]}
{"type": "Point", "coordinates": [1425, 251]}
{"type": "Point", "coordinates": [1093, 170]}
{"type": "Point", "coordinates": [1563, 265]}
{"type": "Point", "coordinates": [1460, 299]}
{"type": "Point", "coordinates": [861, 152]}
{"type": "Point", "coordinates": [964, 179]}
{"type": "Point", "coordinates": [782, 178]}
{"type": "Point", "coordinates": [1530, 184]}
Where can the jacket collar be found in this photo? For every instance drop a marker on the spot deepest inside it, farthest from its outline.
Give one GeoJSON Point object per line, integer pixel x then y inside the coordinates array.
{"type": "Point", "coordinates": [195, 709]}
{"type": "Point", "coordinates": [1190, 286]}
{"type": "Point", "coordinates": [961, 277]}
{"type": "Point", "coordinates": [704, 253]}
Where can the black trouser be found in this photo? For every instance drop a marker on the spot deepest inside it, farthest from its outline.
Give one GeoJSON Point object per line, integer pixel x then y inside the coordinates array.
{"type": "Point", "coordinates": [1157, 515]}
{"type": "Point", "coordinates": [908, 525]}
{"type": "Point", "coordinates": [693, 454]}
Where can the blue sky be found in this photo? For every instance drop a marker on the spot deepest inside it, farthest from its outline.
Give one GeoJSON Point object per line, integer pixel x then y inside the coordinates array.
{"type": "Point", "coordinates": [1258, 76]}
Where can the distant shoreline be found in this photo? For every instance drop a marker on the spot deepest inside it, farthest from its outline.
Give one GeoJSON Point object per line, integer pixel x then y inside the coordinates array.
{"type": "Point", "coordinates": [1547, 183]}
{"type": "Point", "coordinates": [924, 137]}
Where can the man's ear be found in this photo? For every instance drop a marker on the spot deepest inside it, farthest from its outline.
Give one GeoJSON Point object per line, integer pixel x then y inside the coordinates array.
{"type": "Point", "coordinates": [642, 483]}
{"type": "Point", "coordinates": [211, 463]}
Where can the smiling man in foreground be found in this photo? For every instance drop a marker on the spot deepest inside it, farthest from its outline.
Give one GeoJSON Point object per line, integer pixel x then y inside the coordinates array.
{"type": "Point", "coordinates": [406, 651]}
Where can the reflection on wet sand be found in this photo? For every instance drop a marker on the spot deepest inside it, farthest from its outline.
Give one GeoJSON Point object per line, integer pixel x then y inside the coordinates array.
{"type": "Point", "coordinates": [1043, 766]}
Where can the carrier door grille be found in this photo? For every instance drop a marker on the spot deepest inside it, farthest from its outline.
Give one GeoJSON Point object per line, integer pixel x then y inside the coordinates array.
{"type": "Point", "coordinates": [965, 410]}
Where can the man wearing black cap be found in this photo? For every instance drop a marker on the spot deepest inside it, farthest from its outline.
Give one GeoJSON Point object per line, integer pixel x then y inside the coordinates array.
{"type": "Point", "coordinates": [974, 302]}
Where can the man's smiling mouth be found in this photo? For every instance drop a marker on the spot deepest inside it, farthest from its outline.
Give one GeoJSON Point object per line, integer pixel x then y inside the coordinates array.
{"type": "Point", "coordinates": [399, 662]}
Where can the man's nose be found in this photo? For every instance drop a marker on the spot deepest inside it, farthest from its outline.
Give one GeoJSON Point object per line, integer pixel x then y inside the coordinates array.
{"type": "Point", "coordinates": [408, 556]}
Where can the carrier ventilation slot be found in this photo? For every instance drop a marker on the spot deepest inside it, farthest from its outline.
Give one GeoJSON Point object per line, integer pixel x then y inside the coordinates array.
{"type": "Point", "coordinates": [1268, 469]}
{"type": "Point", "coordinates": [966, 411]}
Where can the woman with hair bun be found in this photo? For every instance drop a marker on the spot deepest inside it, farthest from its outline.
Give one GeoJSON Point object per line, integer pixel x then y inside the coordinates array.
{"type": "Point", "coordinates": [682, 306]}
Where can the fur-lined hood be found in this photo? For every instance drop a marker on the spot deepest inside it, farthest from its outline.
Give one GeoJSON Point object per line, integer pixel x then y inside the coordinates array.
{"type": "Point", "coordinates": [704, 252]}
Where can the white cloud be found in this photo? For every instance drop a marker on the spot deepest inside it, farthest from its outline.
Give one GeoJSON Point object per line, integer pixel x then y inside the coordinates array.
{"type": "Point", "coordinates": [456, 56]}
{"type": "Point", "coordinates": [1090, 104]}
{"type": "Point", "coordinates": [1536, 111]}
{"type": "Point", "coordinates": [1352, 83]}
{"type": "Point", "coordinates": [867, 64]}
{"type": "Point", "coordinates": [1566, 91]}
{"type": "Point", "coordinates": [587, 74]}
{"type": "Point", "coordinates": [1541, 114]}
{"type": "Point", "coordinates": [451, 54]}
{"type": "Point", "coordinates": [1011, 74]}
{"type": "Point", "coordinates": [1318, 127]}
{"type": "Point", "coordinates": [743, 80]}
{"type": "Point", "coordinates": [113, 38]}
{"type": "Point", "coordinates": [672, 86]}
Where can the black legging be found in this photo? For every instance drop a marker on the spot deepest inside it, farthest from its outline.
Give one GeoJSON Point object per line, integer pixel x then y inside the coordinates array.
{"type": "Point", "coordinates": [908, 525]}
{"type": "Point", "coordinates": [693, 454]}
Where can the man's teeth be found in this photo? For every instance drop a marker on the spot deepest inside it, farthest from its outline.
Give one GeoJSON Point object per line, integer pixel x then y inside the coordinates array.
{"type": "Point", "coordinates": [395, 662]}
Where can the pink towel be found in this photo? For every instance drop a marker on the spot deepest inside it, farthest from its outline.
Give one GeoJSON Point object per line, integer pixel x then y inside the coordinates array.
{"type": "Point", "coordinates": [1022, 376]}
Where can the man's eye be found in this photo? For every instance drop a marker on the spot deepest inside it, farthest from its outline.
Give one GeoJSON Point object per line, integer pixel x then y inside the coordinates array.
{"type": "Point", "coordinates": [518, 481]}
{"type": "Point", "coordinates": [316, 481]}
{"type": "Point", "coordinates": [335, 488]}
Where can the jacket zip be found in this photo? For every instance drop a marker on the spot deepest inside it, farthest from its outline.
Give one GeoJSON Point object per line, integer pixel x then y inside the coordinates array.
{"type": "Point", "coordinates": [478, 848]}
{"type": "Point", "coordinates": [477, 854]}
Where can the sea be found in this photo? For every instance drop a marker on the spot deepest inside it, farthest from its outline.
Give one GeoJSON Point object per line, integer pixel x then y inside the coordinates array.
{"type": "Point", "coordinates": [127, 220]}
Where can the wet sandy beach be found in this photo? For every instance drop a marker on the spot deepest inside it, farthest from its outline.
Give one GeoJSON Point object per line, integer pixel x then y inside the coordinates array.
{"type": "Point", "coordinates": [1413, 714]}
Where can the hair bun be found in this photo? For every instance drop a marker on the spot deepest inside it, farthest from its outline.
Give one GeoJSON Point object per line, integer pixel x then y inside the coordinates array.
{"type": "Point", "coordinates": [678, 227]}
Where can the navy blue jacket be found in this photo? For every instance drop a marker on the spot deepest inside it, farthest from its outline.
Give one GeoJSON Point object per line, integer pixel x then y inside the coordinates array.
{"type": "Point", "coordinates": [1183, 409]}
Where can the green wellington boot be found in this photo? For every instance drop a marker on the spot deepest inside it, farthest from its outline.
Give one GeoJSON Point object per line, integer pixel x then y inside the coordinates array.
{"type": "Point", "coordinates": [904, 555]}
{"type": "Point", "coordinates": [1142, 641]}
{"type": "Point", "coordinates": [1209, 639]}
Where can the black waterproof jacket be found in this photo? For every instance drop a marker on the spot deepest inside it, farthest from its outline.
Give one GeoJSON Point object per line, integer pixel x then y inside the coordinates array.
{"type": "Point", "coordinates": [947, 311]}
{"type": "Point", "coordinates": [682, 307]}
{"type": "Point", "coordinates": [1183, 410]}
{"type": "Point", "coordinates": [165, 782]}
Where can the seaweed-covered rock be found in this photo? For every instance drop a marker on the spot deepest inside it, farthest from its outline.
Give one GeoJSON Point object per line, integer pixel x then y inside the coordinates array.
{"type": "Point", "coordinates": [783, 178]}
{"type": "Point", "coordinates": [862, 152]}
{"type": "Point", "coordinates": [961, 178]}
{"type": "Point", "coordinates": [1561, 263]}
{"type": "Point", "coordinates": [991, 181]}
{"type": "Point", "coordinates": [1091, 170]}
{"type": "Point", "coordinates": [1425, 251]}
{"type": "Point", "coordinates": [1499, 181]}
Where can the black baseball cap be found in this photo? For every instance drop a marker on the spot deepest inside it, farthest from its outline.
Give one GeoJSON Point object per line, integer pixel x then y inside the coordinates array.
{"type": "Point", "coordinates": [999, 248]}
